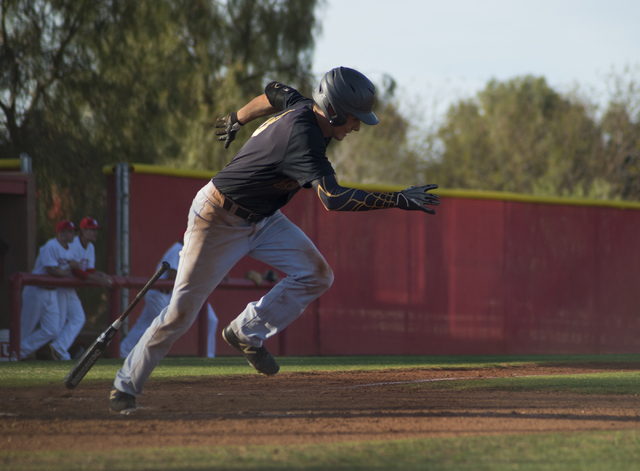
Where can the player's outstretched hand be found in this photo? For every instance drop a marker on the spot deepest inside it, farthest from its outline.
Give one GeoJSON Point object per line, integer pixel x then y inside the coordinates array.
{"type": "Point", "coordinates": [416, 198]}
{"type": "Point", "coordinates": [228, 127]}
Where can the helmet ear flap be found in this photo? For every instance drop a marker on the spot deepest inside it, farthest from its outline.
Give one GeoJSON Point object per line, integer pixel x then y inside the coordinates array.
{"type": "Point", "coordinates": [321, 98]}
{"type": "Point", "coordinates": [334, 119]}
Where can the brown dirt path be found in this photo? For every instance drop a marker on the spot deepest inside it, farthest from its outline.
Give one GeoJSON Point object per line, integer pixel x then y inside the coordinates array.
{"type": "Point", "coordinates": [304, 408]}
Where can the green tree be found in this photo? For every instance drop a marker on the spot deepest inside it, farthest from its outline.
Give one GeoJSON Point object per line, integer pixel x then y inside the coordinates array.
{"type": "Point", "coordinates": [38, 50]}
{"type": "Point", "coordinates": [88, 83]}
{"type": "Point", "coordinates": [621, 135]}
{"type": "Point", "coordinates": [172, 67]}
{"type": "Point", "coordinates": [519, 136]}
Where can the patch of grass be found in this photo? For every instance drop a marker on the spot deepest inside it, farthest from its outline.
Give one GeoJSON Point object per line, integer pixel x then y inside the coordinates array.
{"type": "Point", "coordinates": [595, 383]}
{"type": "Point", "coordinates": [586, 451]}
{"type": "Point", "coordinates": [41, 373]}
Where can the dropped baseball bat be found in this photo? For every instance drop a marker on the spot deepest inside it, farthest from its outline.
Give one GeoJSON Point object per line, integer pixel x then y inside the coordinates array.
{"type": "Point", "coordinates": [97, 348]}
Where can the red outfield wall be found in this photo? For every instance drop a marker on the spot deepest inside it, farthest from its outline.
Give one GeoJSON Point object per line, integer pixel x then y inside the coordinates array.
{"type": "Point", "coordinates": [489, 274]}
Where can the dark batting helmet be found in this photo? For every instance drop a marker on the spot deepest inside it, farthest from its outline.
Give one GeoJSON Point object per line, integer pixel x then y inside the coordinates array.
{"type": "Point", "coordinates": [346, 91]}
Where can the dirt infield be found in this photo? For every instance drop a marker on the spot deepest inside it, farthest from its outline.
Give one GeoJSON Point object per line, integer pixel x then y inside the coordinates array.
{"type": "Point", "coordinates": [305, 408]}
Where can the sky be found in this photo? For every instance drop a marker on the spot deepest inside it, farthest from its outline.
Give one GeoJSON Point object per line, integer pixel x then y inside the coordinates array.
{"type": "Point", "coordinates": [442, 51]}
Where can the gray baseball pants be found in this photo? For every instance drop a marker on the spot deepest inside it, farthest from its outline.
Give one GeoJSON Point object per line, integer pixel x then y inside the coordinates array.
{"type": "Point", "coordinates": [215, 240]}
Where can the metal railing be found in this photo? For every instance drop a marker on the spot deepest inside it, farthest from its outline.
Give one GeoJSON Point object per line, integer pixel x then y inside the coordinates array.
{"type": "Point", "coordinates": [18, 280]}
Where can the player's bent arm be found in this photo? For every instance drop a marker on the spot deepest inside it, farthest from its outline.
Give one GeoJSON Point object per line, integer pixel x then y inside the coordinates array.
{"type": "Point", "coordinates": [228, 126]}
{"type": "Point", "coordinates": [270, 102]}
{"type": "Point", "coordinates": [57, 271]}
{"type": "Point", "coordinates": [74, 264]}
{"type": "Point", "coordinates": [101, 278]}
{"type": "Point", "coordinates": [259, 107]}
{"type": "Point", "coordinates": [338, 198]}
{"type": "Point", "coordinates": [91, 274]}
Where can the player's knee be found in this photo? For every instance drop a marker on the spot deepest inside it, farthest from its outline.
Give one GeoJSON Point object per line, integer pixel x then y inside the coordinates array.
{"type": "Point", "coordinates": [324, 276]}
{"type": "Point", "coordinates": [182, 314]}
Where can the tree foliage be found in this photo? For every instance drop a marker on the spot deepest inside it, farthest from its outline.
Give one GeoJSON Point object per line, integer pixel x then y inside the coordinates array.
{"type": "Point", "coordinates": [38, 50]}
{"type": "Point", "coordinates": [84, 83]}
{"type": "Point", "coordinates": [523, 136]}
{"type": "Point", "coordinates": [621, 135]}
{"type": "Point", "coordinates": [519, 136]}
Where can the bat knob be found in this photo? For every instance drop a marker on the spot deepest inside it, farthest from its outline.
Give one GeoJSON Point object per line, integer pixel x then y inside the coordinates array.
{"type": "Point", "coordinates": [166, 265]}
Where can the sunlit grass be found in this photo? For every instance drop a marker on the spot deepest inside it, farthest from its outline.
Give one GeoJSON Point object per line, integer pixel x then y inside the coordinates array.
{"type": "Point", "coordinates": [40, 373]}
{"type": "Point", "coordinates": [593, 383]}
{"type": "Point", "coordinates": [584, 451]}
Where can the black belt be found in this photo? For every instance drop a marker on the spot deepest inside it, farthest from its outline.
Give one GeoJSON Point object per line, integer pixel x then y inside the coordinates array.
{"type": "Point", "coordinates": [243, 213]}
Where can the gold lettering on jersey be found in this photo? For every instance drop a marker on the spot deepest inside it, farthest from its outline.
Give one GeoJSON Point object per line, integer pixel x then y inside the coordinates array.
{"type": "Point", "coordinates": [269, 122]}
{"type": "Point", "coordinates": [288, 184]}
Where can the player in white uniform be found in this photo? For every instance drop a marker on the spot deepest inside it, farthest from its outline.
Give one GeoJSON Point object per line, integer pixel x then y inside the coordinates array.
{"type": "Point", "coordinates": [84, 253]}
{"type": "Point", "coordinates": [41, 313]}
{"type": "Point", "coordinates": [156, 300]}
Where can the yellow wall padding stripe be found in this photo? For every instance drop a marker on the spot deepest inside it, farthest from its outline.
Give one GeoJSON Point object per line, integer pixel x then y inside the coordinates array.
{"type": "Point", "coordinates": [12, 164]}
{"type": "Point", "coordinates": [145, 169]}
{"type": "Point", "coordinates": [464, 194]}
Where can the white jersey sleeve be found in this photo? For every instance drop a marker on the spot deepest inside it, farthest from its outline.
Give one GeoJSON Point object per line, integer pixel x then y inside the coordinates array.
{"type": "Point", "coordinates": [52, 254]}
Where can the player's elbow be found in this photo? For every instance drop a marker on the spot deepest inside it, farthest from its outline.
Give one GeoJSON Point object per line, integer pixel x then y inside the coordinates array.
{"type": "Point", "coordinates": [330, 203]}
{"type": "Point", "coordinates": [333, 207]}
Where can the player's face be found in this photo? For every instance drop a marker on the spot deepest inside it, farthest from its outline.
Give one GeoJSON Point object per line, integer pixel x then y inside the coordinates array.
{"type": "Point", "coordinates": [90, 234]}
{"type": "Point", "coordinates": [66, 237]}
{"type": "Point", "coordinates": [352, 124]}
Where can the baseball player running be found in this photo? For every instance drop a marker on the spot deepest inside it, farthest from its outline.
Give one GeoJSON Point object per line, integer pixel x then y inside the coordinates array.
{"type": "Point", "coordinates": [42, 316]}
{"type": "Point", "coordinates": [156, 300]}
{"type": "Point", "coordinates": [238, 213]}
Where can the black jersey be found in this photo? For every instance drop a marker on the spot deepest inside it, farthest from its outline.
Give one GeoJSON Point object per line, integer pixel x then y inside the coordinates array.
{"type": "Point", "coordinates": [284, 154]}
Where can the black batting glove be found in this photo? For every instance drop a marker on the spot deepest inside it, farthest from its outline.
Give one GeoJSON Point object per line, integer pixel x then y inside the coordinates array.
{"type": "Point", "coordinates": [416, 197]}
{"type": "Point", "coordinates": [228, 128]}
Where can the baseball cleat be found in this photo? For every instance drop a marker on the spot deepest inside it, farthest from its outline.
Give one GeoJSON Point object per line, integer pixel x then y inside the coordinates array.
{"type": "Point", "coordinates": [54, 354]}
{"type": "Point", "coordinates": [258, 357]}
{"type": "Point", "coordinates": [47, 352]}
{"type": "Point", "coordinates": [121, 403]}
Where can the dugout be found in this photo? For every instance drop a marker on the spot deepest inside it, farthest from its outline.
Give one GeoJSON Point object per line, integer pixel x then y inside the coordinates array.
{"type": "Point", "coordinates": [491, 273]}
{"type": "Point", "coordinates": [17, 227]}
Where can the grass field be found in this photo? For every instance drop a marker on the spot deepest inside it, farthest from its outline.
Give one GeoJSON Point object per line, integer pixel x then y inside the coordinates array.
{"type": "Point", "coordinates": [41, 373]}
{"type": "Point", "coordinates": [576, 452]}
{"type": "Point", "coordinates": [585, 450]}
